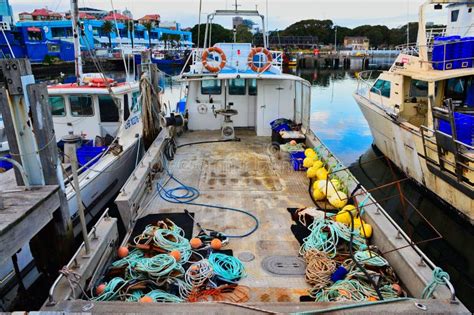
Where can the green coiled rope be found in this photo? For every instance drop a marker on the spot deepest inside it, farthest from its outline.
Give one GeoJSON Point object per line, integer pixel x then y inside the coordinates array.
{"type": "Point", "coordinates": [440, 277]}
{"type": "Point", "coordinates": [227, 268]}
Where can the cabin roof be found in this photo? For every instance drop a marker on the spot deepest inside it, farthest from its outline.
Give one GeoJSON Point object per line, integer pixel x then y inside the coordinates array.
{"type": "Point", "coordinates": [73, 88]}
{"type": "Point", "coordinates": [432, 75]}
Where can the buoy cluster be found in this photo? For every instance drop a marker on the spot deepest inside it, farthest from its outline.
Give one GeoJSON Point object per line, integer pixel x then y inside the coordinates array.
{"type": "Point", "coordinates": [162, 265]}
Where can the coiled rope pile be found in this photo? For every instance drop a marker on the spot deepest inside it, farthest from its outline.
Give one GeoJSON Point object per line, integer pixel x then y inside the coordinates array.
{"type": "Point", "coordinates": [163, 267]}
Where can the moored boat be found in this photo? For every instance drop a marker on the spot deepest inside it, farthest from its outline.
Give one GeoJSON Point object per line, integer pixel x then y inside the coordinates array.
{"type": "Point", "coordinates": [230, 197]}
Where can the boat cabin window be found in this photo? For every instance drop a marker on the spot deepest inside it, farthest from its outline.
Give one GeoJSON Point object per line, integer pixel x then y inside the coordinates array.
{"type": "Point", "coordinates": [252, 86]}
{"type": "Point", "coordinates": [454, 15]}
{"type": "Point", "coordinates": [418, 88]}
{"type": "Point", "coordinates": [455, 89]}
{"type": "Point", "coordinates": [81, 106]}
{"type": "Point", "coordinates": [109, 111]}
{"type": "Point", "coordinates": [57, 106]}
{"type": "Point", "coordinates": [381, 87]}
{"type": "Point", "coordinates": [135, 104]}
{"type": "Point", "coordinates": [209, 87]}
{"type": "Point", "coordinates": [237, 87]}
{"type": "Point", "coordinates": [126, 109]}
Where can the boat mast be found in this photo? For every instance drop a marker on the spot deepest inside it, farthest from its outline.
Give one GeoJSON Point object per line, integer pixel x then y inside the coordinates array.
{"type": "Point", "coordinates": [77, 44]}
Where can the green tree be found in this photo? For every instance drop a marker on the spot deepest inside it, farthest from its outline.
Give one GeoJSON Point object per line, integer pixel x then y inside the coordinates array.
{"type": "Point", "coordinates": [130, 29]}
{"type": "Point", "coordinates": [148, 26]}
{"type": "Point", "coordinates": [219, 34]}
{"type": "Point", "coordinates": [107, 28]}
{"type": "Point", "coordinates": [323, 29]}
{"type": "Point", "coordinates": [243, 34]}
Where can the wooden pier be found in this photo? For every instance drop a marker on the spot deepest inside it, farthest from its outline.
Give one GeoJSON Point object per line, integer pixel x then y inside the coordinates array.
{"type": "Point", "coordinates": [23, 213]}
{"type": "Point", "coordinates": [333, 61]}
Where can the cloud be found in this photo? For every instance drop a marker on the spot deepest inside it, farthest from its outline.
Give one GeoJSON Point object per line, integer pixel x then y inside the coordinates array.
{"type": "Point", "coordinates": [281, 13]}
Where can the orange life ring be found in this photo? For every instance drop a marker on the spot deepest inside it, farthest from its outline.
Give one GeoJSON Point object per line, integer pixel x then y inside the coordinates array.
{"type": "Point", "coordinates": [207, 65]}
{"type": "Point", "coordinates": [101, 82]}
{"type": "Point", "coordinates": [259, 50]}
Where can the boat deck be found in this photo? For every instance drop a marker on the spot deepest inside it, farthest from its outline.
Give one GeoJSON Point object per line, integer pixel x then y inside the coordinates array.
{"type": "Point", "coordinates": [244, 175]}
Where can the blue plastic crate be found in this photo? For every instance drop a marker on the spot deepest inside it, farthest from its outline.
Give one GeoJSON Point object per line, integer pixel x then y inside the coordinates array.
{"type": "Point", "coordinates": [445, 50]}
{"type": "Point", "coordinates": [87, 153]}
{"type": "Point", "coordinates": [467, 52]}
{"type": "Point", "coordinates": [464, 127]}
{"type": "Point", "coordinates": [280, 124]}
{"type": "Point", "coordinates": [5, 165]}
{"type": "Point", "coordinates": [297, 159]}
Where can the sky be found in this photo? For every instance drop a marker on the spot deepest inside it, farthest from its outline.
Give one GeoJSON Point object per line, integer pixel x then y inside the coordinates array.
{"type": "Point", "coordinates": [281, 13]}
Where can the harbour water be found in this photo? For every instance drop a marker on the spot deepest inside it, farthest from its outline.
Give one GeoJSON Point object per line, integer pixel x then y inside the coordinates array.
{"type": "Point", "coordinates": [337, 120]}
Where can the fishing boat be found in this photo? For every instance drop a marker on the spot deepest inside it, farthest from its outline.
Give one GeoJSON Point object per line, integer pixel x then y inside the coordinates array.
{"type": "Point", "coordinates": [421, 111]}
{"type": "Point", "coordinates": [102, 118]}
{"type": "Point", "coordinates": [212, 211]}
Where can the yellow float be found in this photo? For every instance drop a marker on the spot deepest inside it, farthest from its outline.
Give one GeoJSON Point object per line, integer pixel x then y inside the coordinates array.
{"type": "Point", "coordinates": [338, 199]}
{"type": "Point", "coordinates": [308, 162]}
{"type": "Point", "coordinates": [322, 173]}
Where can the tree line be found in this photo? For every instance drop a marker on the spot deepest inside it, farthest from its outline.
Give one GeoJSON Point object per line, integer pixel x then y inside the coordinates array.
{"type": "Point", "coordinates": [380, 36]}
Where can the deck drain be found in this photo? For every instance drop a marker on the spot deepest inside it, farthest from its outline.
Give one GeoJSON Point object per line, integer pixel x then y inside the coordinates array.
{"type": "Point", "coordinates": [246, 256]}
{"type": "Point", "coordinates": [284, 265]}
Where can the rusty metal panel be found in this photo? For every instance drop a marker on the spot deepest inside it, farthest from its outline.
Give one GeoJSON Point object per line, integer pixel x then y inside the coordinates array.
{"type": "Point", "coordinates": [13, 70]}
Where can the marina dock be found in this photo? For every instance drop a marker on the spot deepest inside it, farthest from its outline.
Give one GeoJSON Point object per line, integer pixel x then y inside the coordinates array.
{"type": "Point", "coordinates": [23, 213]}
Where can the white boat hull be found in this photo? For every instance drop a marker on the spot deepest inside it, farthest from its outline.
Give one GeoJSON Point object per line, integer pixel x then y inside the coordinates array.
{"type": "Point", "coordinates": [404, 147]}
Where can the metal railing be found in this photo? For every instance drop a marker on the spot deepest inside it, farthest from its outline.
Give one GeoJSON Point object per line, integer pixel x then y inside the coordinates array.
{"type": "Point", "coordinates": [365, 89]}
{"type": "Point", "coordinates": [277, 58]}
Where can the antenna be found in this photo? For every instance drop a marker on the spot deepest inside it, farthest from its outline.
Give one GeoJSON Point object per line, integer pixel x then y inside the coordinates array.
{"type": "Point", "coordinates": [77, 44]}
{"type": "Point", "coordinates": [236, 6]}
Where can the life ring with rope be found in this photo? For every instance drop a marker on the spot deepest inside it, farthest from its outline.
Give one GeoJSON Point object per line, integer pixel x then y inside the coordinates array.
{"type": "Point", "coordinates": [210, 67]}
{"type": "Point", "coordinates": [259, 50]}
{"type": "Point", "coordinates": [101, 82]}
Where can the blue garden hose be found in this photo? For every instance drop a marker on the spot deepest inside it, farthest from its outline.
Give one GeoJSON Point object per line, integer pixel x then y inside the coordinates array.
{"type": "Point", "coordinates": [184, 194]}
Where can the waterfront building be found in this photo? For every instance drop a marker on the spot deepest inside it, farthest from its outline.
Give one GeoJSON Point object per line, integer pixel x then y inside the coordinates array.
{"type": "Point", "coordinates": [356, 42]}
{"type": "Point", "coordinates": [43, 33]}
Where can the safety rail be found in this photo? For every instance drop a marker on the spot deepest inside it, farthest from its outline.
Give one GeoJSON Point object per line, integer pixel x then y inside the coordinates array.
{"type": "Point", "coordinates": [365, 89]}
{"type": "Point", "coordinates": [461, 161]}
{"type": "Point", "coordinates": [73, 261]}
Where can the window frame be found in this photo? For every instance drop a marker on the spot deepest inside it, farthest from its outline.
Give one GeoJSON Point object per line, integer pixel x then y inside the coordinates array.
{"type": "Point", "coordinates": [51, 107]}
{"type": "Point", "coordinates": [86, 96]}
{"type": "Point", "coordinates": [242, 92]}
{"type": "Point", "coordinates": [454, 15]}
{"type": "Point", "coordinates": [115, 108]}
{"type": "Point", "coordinates": [250, 89]}
{"type": "Point", "coordinates": [212, 93]}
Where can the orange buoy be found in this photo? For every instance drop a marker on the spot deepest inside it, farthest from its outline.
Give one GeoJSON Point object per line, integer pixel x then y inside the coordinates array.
{"type": "Point", "coordinates": [122, 252]}
{"type": "Point", "coordinates": [292, 142]}
{"type": "Point", "coordinates": [100, 289]}
{"type": "Point", "coordinates": [176, 254]}
{"type": "Point", "coordinates": [146, 299]}
{"type": "Point", "coordinates": [195, 242]}
{"type": "Point", "coordinates": [397, 288]}
{"type": "Point", "coordinates": [372, 298]}
{"type": "Point", "coordinates": [216, 244]}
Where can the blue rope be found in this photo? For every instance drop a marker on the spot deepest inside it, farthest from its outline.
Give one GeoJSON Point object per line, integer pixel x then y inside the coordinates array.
{"type": "Point", "coordinates": [227, 268]}
{"type": "Point", "coordinates": [184, 194]}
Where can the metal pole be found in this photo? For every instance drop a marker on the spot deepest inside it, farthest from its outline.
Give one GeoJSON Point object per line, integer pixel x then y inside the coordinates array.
{"type": "Point", "coordinates": [77, 44]}
{"type": "Point", "coordinates": [80, 205]}
{"type": "Point", "coordinates": [335, 38]}
{"type": "Point", "coordinates": [199, 23]}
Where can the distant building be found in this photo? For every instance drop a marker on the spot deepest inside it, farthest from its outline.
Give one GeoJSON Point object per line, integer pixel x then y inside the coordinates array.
{"type": "Point", "coordinates": [25, 16]}
{"type": "Point", "coordinates": [6, 12]}
{"type": "Point", "coordinates": [171, 25]}
{"type": "Point", "coordinates": [99, 14]}
{"type": "Point", "coordinates": [114, 16]}
{"type": "Point", "coordinates": [237, 21]}
{"type": "Point", "coordinates": [46, 15]}
{"type": "Point", "coordinates": [128, 13]}
{"type": "Point", "coordinates": [356, 42]}
{"type": "Point", "coordinates": [154, 19]}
